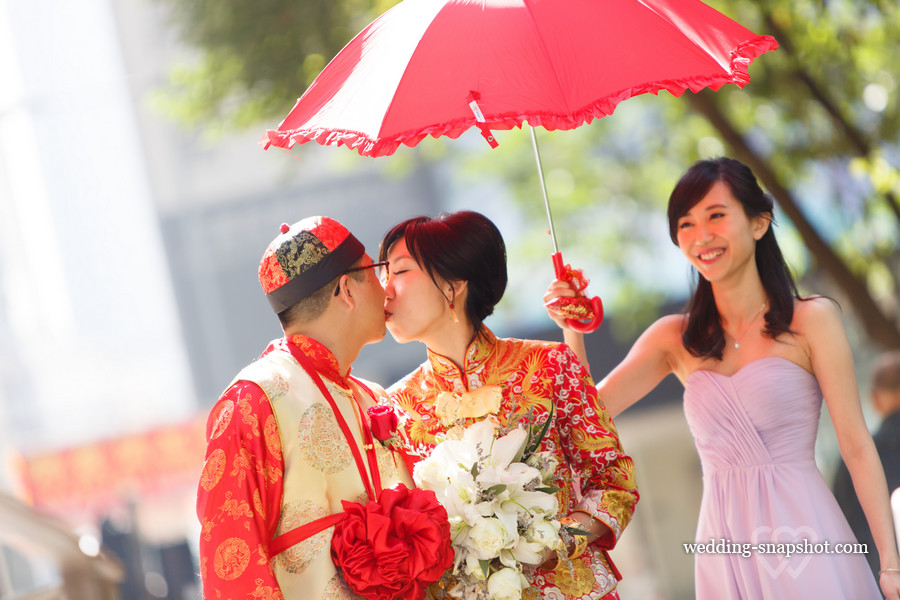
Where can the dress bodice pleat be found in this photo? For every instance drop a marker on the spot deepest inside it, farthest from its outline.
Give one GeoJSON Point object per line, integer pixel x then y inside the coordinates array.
{"type": "Point", "coordinates": [768, 412]}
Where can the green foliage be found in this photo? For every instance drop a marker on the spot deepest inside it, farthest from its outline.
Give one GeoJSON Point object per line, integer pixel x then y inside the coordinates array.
{"type": "Point", "coordinates": [254, 59]}
{"type": "Point", "coordinates": [826, 104]}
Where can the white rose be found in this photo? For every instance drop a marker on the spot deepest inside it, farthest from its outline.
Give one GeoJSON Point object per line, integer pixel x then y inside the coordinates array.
{"type": "Point", "coordinates": [430, 475]}
{"type": "Point", "coordinates": [545, 462]}
{"type": "Point", "coordinates": [487, 538]}
{"type": "Point", "coordinates": [506, 584]}
{"type": "Point", "coordinates": [546, 532]}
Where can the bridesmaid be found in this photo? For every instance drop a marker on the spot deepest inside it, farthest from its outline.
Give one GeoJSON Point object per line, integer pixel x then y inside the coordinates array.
{"type": "Point", "coordinates": [756, 359]}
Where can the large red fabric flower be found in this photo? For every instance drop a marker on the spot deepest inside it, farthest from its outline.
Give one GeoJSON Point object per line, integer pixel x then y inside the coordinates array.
{"type": "Point", "coordinates": [394, 548]}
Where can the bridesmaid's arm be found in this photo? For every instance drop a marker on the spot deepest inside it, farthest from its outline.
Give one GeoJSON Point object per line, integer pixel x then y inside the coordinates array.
{"type": "Point", "coordinates": [572, 338]}
{"type": "Point", "coordinates": [575, 341]}
{"type": "Point", "coordinates": [832, 362]}
{"type": "Point", "coordinates": [646, 364]}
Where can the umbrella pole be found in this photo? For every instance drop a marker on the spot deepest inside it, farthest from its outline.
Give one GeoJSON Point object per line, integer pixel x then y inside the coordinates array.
{"type": "Point", "coordinates": [537, 159]}
{"type": "Point", "coordinates": [594, 303]}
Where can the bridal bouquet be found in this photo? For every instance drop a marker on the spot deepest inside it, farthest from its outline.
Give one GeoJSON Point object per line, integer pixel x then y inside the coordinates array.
{"type": "Point", "coordinates": [502, 511]}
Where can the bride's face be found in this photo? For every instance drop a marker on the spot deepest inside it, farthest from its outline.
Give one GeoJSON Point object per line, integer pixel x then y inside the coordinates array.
{"type": "Point", "coordinates": [413, 307]}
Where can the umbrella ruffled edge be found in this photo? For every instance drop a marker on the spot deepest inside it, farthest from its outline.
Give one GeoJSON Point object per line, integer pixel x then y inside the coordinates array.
{"type": "Point", "coordinates": [362, 143]}
{"type": "Point", "coordinates": [741, 58]}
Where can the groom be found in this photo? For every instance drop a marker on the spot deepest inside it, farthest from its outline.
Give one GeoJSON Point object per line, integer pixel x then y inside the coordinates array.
{"type": "Point", "coordinates": [277, 456]}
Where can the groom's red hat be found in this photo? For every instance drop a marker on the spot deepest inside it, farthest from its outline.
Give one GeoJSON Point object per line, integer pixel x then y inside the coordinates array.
{"type": "Point", "coordinates": [304, 257]}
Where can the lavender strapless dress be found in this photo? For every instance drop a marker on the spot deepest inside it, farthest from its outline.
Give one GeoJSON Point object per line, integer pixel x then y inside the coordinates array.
{"type": "Point", "coordinates": [755, 433]}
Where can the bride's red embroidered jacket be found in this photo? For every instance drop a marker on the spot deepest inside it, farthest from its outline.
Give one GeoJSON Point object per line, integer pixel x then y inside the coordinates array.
{"type": "Point", "coordinates": [594, 474]}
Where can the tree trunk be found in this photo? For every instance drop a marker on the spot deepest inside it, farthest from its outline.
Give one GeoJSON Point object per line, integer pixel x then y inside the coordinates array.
{"type": "Point", "coordinates": [857, 138]}
{"type": "Point", "coordinates": [878, 326]}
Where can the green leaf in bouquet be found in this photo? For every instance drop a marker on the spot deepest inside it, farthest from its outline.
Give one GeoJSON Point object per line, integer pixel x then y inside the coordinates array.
{"type": "Point", "coordinates": [496, 489]}
{"type": "Point", "coordinates": [549, 489]}
{"type": "Point", "coordinates": [485, 567]}
{"type": "Point", "coordinates": [575, 530]}
{"type": "Point", "coordinates": [520, 455]}
{"type": "Point", "coordinates": [534, 442]}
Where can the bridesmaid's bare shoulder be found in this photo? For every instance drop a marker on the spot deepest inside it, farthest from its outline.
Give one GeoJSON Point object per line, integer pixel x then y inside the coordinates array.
{"type": "Point", "coordinates": [666, 334]}
{"type": "Point", "coordinates": [817, 322]}
{"type": "Point", "coordinates": [810, 310]}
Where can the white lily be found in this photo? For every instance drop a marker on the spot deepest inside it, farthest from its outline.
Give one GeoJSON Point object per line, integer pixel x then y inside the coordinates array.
{"type": "Point", "coordinates": [530, 553]}
{"type": "Point", "coordinates": [498, 452]}
{"type": "Point", "coordinates": [532, 502]}
{"type": "Point", "coordinates": [493, 517]}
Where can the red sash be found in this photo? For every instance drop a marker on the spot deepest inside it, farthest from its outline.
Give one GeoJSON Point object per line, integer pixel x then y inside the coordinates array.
{"type": "Point", "coordinates": [284, 541]}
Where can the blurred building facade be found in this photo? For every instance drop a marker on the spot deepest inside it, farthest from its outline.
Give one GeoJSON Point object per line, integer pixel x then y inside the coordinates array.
{"type": "Point", "coordinates": [128, 290]}
{"type": "Point", "coordinates": [90, 338]}
{"type": "Point", "coordinates": [94, 340]}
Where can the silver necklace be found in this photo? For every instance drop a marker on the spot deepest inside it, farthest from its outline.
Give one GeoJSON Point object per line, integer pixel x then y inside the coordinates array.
{"type": "Point", "coordinates": [737, 341]}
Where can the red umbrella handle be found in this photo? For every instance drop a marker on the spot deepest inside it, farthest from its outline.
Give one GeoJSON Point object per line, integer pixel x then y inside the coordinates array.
{"type": "Point", "coordinates": [593, 324]}
{"type": "Point", "coordinates": [595, 303]}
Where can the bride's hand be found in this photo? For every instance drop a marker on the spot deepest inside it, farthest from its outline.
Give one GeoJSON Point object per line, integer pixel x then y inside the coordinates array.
{"type": "Point", "coordinates": [550, 562]}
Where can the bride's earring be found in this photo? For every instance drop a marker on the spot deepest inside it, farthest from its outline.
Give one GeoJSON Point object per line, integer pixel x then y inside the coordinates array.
{"type": "Point", "coordinates": [453, 312]}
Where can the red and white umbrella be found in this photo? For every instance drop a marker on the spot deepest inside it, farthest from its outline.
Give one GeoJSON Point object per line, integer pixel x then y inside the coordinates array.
{"type": "Point", "coordinates": [439, 67]}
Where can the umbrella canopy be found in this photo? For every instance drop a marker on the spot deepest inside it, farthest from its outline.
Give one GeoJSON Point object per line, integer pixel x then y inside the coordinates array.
{"type": "Point", "coordinates": [438, 67]}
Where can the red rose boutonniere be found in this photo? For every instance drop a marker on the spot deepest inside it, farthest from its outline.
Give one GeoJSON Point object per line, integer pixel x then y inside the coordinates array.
{"type": "Point", "coordinates": [384, 421]}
